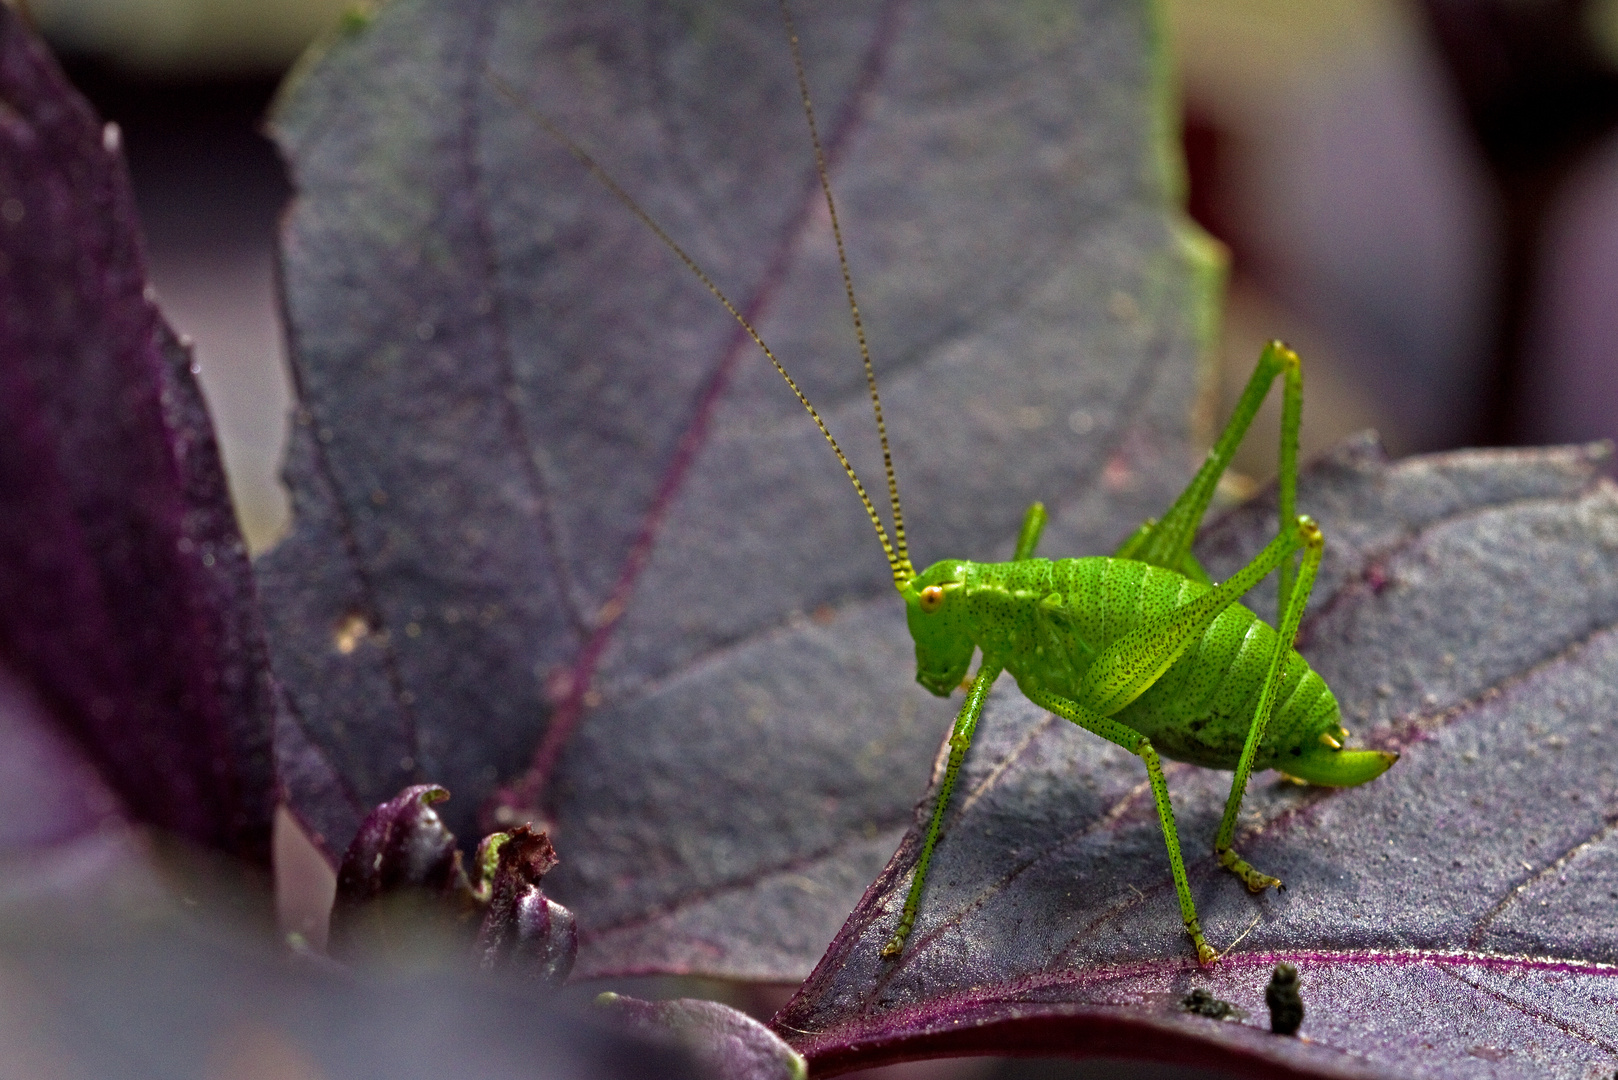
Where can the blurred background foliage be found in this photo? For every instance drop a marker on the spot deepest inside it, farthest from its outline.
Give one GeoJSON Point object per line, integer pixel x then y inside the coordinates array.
{"type": "Point", "coordinates": [187, 38]}
{"type": "Point", "coordinates": [1419, 195]}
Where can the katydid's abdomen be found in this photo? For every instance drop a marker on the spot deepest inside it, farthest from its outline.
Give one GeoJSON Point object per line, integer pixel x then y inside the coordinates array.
{"type": "Point", "coordinates": [1200, 710]}
{"type": "Point", "coordinates": [1048, 619]}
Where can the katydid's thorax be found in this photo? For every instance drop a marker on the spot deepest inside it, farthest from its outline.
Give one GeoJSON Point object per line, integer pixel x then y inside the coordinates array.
{"type": "Point", "coordinates": [1047, 620]}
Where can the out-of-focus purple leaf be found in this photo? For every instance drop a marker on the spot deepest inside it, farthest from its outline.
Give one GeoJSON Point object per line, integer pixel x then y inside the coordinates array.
{"type": "Point", "coordinates": [402, 852]}
{"type": "Point", "coordinates": [126, 600]}
{"type": "Point", "coordinates": [1454, 917]}
{"type": "Point", "coordinates": [525, 932]}
{"type": "Point", "coordinates": [62, 830]}
{"type": "Point", "coordinates": [724, 1043]}
{"type": "Point", "coordinates": [563, 540]}
{"type": "Point", "coordinates": [145, 992]}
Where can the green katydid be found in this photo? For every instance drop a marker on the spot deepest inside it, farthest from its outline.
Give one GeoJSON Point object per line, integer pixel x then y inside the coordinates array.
{"type": "Point", "coordinates": [1139, 647]}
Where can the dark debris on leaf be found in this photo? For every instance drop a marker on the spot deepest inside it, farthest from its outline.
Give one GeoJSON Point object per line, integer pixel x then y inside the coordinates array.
{"type": "Point", "coordinates": [126, 599]}
{"type": "Point", "coordinates": [1285, 999]}
{"type": "Point", "coordinates": [1200, 1002]}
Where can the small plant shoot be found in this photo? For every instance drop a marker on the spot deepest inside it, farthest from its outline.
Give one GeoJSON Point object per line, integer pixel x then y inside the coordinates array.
{"type": "Point", "coordinates": [1139, 647]}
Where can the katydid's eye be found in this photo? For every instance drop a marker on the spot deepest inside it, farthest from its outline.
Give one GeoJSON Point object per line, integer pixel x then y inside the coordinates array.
{"type": "Point", "coordinates": [932, 598]}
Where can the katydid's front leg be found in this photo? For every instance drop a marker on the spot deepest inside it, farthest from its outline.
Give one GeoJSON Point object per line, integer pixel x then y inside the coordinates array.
{"type": "Point", "coordinates": [960, 740]}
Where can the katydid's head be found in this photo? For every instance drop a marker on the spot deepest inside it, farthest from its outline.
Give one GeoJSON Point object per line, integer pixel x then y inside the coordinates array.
{"type": "Point", "coordinates": [935, 608]}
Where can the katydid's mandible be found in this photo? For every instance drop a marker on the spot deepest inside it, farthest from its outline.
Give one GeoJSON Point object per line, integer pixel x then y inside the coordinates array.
{"type": "Point", "coordinates": [1139, 647]}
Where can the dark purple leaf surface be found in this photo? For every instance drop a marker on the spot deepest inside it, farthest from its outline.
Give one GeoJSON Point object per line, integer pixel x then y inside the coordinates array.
{"type": "Point", "coordinates": [564, 542]}
{"type": "Point", "coordinates": [724, 1043]}
{"type": "Point", "coordinates": [1455, 917]}
{"type": "Point", "coordinates": [126, 601]}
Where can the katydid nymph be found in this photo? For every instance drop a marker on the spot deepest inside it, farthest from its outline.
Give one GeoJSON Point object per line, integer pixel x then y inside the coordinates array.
{"type": "Point", "coordinates": [1138, 647]}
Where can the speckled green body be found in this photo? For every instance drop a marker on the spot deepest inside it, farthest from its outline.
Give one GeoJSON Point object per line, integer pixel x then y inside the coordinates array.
{"type": "Point", "coordinates": [1048, 619]}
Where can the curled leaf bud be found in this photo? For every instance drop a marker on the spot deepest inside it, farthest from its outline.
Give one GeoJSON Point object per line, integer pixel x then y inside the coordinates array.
{"type": "Point", "coordinates": [402, 855]}
{"type": "Point", "coordinates": [524, 931]}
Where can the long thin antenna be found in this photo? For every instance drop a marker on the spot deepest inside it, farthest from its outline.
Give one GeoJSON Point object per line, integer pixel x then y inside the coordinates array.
{"type": "Point", "coordinates": [848, 287]}
{"type": "Point", "coordinates": [903, 572]}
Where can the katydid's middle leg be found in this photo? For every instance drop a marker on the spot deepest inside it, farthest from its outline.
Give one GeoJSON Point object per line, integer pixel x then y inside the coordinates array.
{"type": "Point", "coordinates": [1139, 745]}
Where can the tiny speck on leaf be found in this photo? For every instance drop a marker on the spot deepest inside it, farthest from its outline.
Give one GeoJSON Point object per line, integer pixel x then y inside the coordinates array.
{"type": "Point", "coordinates": [1201, 1002]}
{"type": "Point", "coordinates": [348, 634]}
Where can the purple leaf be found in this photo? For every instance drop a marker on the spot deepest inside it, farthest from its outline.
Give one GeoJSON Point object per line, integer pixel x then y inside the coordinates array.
{"type": "Point", "coordinates": [126, 601]}
{"type": "Point", "coordinates": [564, 541]}
{"type": "Point", "coordinates": [523, 930]}
{"type": "Point", "coordinates": [1452, 918]}
{"type": "Point", "coordinates": [724, 1043]}
{"type": "Point", "coordinates": [50, 793]}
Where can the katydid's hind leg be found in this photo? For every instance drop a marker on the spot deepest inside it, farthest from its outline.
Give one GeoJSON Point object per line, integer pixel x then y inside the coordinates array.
{"type": "Point", "coordinates": [1291, 616]}
{"type": "Point", "coordinates": [1189, 566]}
{"type": "Point", "coordinates": [1033, 524]}
{"type": "Point", "coordinates": [1287, 461]}
{"type": "Point", "coordinates": [960, 740]}
{"type": "Point", "coordinates": [1167, 541]}
{"type": "Point", "coordinates": [1137, 744]}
